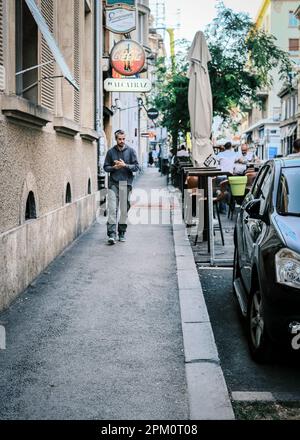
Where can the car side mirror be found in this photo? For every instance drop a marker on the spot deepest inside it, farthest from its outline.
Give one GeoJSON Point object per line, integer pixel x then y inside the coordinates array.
{"type": "Point", "coordinates": [253, 209]}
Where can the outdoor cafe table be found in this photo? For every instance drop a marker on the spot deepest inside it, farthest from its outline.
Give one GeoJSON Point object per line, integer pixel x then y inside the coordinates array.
{"type": "Point", "coordinates": [184, 186]}
{"type": "Point", "coordinates": [205, 176]}
{"type": "Point", "coordinates": [254, 165]}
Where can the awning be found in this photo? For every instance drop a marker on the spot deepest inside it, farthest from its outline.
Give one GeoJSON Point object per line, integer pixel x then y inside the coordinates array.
{"type": "Point", "coordinates": [43, 27]}
{"type": "Point", "coordinates": [260, 124]}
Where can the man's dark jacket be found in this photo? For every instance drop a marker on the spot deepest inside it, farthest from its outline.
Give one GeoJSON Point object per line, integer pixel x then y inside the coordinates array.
{"type": "Point", "coordinates": [128, 155]}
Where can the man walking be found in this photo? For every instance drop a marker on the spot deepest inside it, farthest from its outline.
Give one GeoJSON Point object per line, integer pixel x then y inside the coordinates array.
{"type": "Point", "coordinates": [121, 162]}
{"type": "Point", "coordinates": [182, 152]}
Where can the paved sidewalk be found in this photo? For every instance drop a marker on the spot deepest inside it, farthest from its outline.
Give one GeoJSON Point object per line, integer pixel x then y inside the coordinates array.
{"type": "Point", "coordinates": [98, 335]}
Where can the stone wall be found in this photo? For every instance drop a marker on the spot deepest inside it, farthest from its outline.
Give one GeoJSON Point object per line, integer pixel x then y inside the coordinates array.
{"type": "Point", "coordinates": [44, 162]}
{"type": "Point", "coordinates": [27, 250]}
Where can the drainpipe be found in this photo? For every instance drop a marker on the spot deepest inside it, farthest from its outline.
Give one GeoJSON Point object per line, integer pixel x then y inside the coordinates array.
{"type": "Point", "coordinates": [98, 79]}
{"type": "Point", "coordinates": [139, 131]}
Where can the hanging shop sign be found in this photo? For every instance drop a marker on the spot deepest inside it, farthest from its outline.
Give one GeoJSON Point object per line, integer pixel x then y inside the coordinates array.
{"type": "Point", "coordinates": [120, 20]}
{"type": "Point", "coordinates": [127, 85]}
{"type": "Point", "coordinates": [128, 57]}
{"type": "Point", "coordinates": [152, 113]}
{"type": "Point", "coordinates": [148, 134]}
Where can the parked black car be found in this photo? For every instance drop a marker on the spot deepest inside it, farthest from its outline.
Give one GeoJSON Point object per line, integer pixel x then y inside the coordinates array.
{"type": "Point", "coordinates": [266, 276]}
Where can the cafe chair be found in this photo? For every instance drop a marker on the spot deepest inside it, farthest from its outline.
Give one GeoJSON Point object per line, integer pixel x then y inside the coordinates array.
{"type": "Point", "coordinates": [218, 226]}
{"type": "Point", "coordinates": [219, 196]}
{"type": "Point", "coordinates": [192, 183]}
{"type": "Point", "coordinates": [190, 209]}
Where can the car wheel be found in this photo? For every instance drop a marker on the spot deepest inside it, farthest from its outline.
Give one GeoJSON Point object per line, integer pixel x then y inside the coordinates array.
{"type": "Point", "coordinates": [260, 345]}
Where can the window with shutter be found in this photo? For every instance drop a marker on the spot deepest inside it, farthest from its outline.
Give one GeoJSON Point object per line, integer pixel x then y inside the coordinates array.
{"type": "Point", "coordinates": [2, 72]}
{"type": "Point", "coordinates": [26, 40]}
{"type": "Point", "coordinates": [47, 84]}
{"type": "Point", "coordinates": [293, 44]}
{"type": "Point", "coordinates": [77, 59]}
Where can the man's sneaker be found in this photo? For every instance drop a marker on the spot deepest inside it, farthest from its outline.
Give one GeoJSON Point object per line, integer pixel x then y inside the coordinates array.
{"type": "Point", "coordinates": [111, 240]}
{"type": "Point", "coordinates": [122, 237]}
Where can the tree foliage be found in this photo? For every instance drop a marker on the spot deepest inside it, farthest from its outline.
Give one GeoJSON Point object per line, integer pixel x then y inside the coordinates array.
{"type": "Point", "coordinates": [244, 61]}
{"type": "Point", "coordinates": [171, 93]}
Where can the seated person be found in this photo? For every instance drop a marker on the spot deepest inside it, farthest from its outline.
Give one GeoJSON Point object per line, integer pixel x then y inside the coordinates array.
{"type": "Point", "coordinates": [243, 159]}
{"type": "Point", "coordinates": [182, 152]}
{"type": "Point", "coordinates": [227, 158]}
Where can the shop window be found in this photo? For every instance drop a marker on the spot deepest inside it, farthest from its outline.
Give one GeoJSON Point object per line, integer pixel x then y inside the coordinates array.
{"type": "Point", "coordinates": [26, 52]}
{"type": "Point", "coordinates": [68, 193]}
{"type": "Point", "coordinates": [30, 212]}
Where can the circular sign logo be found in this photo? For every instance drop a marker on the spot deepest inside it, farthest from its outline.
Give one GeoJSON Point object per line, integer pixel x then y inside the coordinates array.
{"type": "Point", "coordinates": [152, 113]}
{"type": "Point", "coordinates": [128, 57]}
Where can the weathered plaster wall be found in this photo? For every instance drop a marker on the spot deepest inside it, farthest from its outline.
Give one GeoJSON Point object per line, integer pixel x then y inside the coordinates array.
{"type": "Point", "coordinates": [26, 250]}
{"type": "Point", "coordinates": [42, 161]}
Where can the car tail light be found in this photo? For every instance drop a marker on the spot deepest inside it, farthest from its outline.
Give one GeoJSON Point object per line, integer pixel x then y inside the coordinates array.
{"type": "Point", "coordinates": [288, 268]}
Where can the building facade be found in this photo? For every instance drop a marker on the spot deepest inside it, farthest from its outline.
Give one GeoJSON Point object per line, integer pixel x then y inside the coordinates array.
{"type": "Point", "coordinates": [297, 14]}
{"type": "Point", "coordinates": [288, 123]}
{"type": "Point", "coordinates": [48, 148]}
{"type": "Point", "coordinates": [125, 110]}
{"type": "Point", "coordinates": [276, 17]}
{"type": "Point", "coordinates": [158, 134]}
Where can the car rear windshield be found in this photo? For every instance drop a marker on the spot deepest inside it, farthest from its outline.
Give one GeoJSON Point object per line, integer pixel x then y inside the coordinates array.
{"type": "Point", "coordinates": [288, 195]}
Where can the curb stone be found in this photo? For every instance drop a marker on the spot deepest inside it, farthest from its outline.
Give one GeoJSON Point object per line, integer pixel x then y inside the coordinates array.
{"type": "Point", "coordinates": [207, 390]}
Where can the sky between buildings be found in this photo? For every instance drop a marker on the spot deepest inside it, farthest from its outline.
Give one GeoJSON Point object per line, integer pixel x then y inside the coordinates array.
{"type": "Point", "coordinates": [196, 14]}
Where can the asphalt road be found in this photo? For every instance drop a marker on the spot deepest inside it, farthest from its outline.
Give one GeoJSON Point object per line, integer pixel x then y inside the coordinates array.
{"type": "Point", "coordinates": [242, 374]}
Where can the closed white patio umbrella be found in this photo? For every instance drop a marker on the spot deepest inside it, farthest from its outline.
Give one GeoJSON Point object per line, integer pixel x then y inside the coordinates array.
{"type": "Point", "coordinates": [200, 99]}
